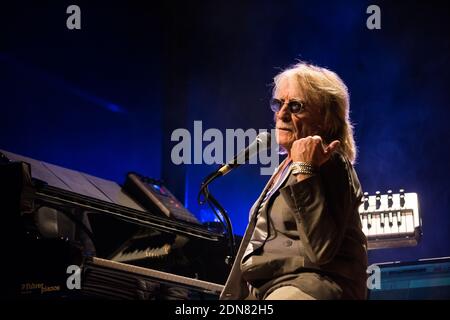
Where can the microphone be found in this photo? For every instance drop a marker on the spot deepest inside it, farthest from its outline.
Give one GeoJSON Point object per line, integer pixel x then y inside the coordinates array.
{"type": "Point", "coordinates": [261, 143]}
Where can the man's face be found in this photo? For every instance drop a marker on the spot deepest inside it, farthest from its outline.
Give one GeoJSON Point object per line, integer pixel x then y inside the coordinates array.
{"type": "Point", "coordinates": [291, 127]}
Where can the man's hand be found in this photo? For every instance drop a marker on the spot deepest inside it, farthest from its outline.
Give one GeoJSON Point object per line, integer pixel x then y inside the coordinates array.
{"type": "Point", "coordinates": [312, 150]}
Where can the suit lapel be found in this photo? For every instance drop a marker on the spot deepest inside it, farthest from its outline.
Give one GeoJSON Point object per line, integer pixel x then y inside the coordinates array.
{"type": "Point", "coordinates": [287, 176]}
{"type": "Point", "coordinates": [257, 203]}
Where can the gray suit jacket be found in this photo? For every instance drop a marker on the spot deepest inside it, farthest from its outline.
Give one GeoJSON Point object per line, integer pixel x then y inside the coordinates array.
{"type": "Point", "coordinates": [325, 209]}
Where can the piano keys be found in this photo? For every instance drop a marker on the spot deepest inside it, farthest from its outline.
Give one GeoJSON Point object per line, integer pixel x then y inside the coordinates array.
{"type": "Point", "coordinates": [391, 220]}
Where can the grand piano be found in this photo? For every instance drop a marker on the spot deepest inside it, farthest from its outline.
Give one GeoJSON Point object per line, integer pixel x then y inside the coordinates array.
{"type": "Point", "coordinates": [121, 247]}
{"type": "Point", "coordinates": [132, 241]}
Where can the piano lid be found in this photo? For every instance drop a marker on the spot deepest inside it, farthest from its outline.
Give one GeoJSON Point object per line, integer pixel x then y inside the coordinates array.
{"type": "Point", "coordinates": [77, 182]}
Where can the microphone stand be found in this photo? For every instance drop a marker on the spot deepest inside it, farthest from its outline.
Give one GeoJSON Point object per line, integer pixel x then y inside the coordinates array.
{"type": "Point", "coordinates": [261, 142]}
{"type": "Point", "coordinates": [212, 201]}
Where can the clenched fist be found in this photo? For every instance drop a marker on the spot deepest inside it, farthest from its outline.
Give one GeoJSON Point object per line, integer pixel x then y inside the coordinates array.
{"type": "Point", "coordinates": [312, 150]}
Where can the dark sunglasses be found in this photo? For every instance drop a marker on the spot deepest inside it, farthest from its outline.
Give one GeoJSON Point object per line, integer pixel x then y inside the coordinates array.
{"type": "Point", "coordinates": [294, 106]}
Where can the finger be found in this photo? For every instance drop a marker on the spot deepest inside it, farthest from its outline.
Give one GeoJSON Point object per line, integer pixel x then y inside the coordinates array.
{"type": "Point", "coordinates": [319, 138]}
{"type": "Point", "coordinates": [333, 146]}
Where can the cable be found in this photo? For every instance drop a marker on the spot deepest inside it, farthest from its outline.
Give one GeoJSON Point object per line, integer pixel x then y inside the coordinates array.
{"type": "Point", "coordinates": [213, 203]}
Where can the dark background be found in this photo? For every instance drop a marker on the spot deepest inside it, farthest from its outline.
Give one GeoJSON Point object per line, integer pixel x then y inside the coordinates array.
{"type": "Point", "coordinates": [105, 99]}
